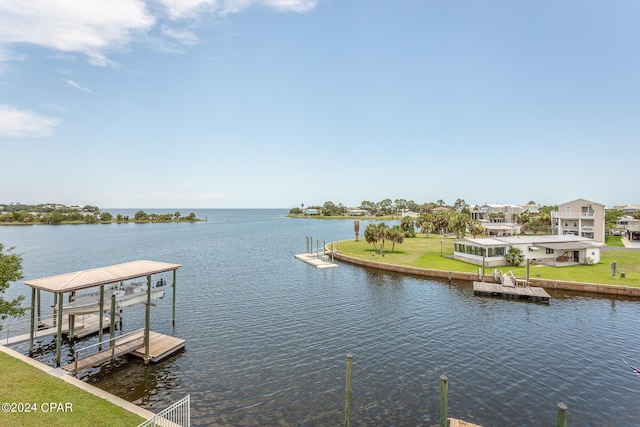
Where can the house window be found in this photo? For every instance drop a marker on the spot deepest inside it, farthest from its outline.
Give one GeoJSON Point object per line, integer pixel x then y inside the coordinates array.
{"type": "Point", "coordinates": [568, 209]}
{"type": "Point", "coordinates": [566, 223]}
{"type": "Point", "coordinates": [549, 251]}
{"type": "Point", "coordinates": [575, 223]}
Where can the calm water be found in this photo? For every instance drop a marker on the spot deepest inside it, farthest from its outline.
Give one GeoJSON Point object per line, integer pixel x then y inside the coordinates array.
{"type": "Point", "coordinates": [267, 335]}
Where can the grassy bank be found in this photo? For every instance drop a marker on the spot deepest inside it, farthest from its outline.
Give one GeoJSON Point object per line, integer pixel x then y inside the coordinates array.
{"type": "Point", "coordinates": [425, 252]}
{"type": "Point", "coordinates": [51, 401]}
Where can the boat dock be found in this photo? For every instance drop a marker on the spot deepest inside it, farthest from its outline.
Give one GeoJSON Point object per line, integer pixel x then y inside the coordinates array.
{"type": "Point", "coordinates": [513, 288]}
{"type": "Point", "coordinates": [160, 347]}
{"type": "Point", "coordinates": [315, 261]}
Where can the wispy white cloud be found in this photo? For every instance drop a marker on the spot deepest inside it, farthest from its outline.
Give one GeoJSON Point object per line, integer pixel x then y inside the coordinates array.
{"type": "Point", "coordinates": [23, 123]}
{"type": "Point", "coordinates": [300, 6]}
{"type": "Point", "coordinates": [91, 27]}
{"type": "Point", "coordinates": [98, 28]}
{"type": "Point", "coordinates": [77, 86]}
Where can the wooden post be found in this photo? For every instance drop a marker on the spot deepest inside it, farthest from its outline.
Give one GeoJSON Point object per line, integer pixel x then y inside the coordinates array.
{"type": "Point", "coordinates": [483, 265]}
{"type": "Point", "coordinates": [112, 325]}
{"type": "Point", "coordinates": [347, 392]}
{"type": "Point", "coordinates": [101, 316]}
{"type": "Point", "coordinates": [527, 271]}
{"type": "Point", "coordinates": [39, 312]}
{"type": "Point", "coordinates": [440, 247]}
{"type": "Point", "coordinates": [55, 302]}
{"type": "Point", "coordinates": [561, 416]}
{"type": "Point", "coordinates": [146, 322]}
{"type": "Point", "coordinates": [72, 319]}
{"type": "Point", "coordinates": [59, 335]}
{"type": "Point", "coordinates": [444, 390]}
{"type": "Point", "coordinates": [173, 318]}
{"type": "Point", "coordinates": [33, 313]}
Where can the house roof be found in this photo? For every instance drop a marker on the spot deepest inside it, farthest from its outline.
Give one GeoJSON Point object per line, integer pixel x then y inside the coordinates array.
{"type": "Point", "coordinates": [568, 245]}
{"type": "Point", "coordinates": [531, 240]}
{"type": "Point", "coordinates": [581, 200]}
{"type": "Point", "coordinates": [100, 276]}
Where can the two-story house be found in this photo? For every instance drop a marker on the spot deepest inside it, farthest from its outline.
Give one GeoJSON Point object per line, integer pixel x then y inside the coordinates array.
{"type": "Point", "coordinates": [580, 218]}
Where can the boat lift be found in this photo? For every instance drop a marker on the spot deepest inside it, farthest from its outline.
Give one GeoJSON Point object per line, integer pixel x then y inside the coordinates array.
{"type": "Point", "coordinates": [97, 277]}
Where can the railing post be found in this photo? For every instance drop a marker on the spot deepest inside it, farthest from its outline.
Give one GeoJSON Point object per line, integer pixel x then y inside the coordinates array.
{"type": "Point", "coordinates": [347, 393]}
{"type": "Point", "coordinates": [444, 391]}
{"type": "Point", "coordinates": [561, 415]}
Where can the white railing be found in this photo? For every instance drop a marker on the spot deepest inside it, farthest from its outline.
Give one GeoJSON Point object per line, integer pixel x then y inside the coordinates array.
{"type": "Point", "coordinates": [571, 215]}
{"type": "Point", "coordinates": [123, 339]}
{"type": "Point", "coordinates": [176, 415]}
{"type": "Point", "coordinates": [21, 326]}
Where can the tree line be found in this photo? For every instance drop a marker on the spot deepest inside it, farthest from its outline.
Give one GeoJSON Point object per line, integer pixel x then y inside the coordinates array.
{"type": "Point", "coordinates": [21, 214]}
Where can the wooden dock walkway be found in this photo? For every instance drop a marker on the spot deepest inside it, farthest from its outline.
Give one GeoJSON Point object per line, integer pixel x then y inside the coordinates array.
{"type": "Point", "coordinates": [509, 289]}
{"type": "Point", "coordinates": [459, 423]}
{"type": "Point", "coordinates": [315, 261]}
{"type": "Point", "coordinates": [83, 326]}
{"type": "Point", "coordinates": [160, 347]}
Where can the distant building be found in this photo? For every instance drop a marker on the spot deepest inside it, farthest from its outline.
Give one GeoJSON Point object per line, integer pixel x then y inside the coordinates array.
{"type": "Point", "coordinates": [311, 212]}
{"type": "Point", "coordinates": [356, 212]}
{"type": "Point", "coordinates": [439, 209]}
{"type": "Point", "coordinates": [496, 213]}
{"type": "Point", "coordinates": [628, 209]}
{"type": "Point", "coordinates": [579, 218]}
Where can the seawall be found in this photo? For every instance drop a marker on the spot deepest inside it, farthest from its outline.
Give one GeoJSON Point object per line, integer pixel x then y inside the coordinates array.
{"type": "Point", "coordinates": [597, 288]}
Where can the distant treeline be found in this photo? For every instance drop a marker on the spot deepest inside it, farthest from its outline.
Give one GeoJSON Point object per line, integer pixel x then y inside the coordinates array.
{"type": "Point", "coordinates": [17, 213]}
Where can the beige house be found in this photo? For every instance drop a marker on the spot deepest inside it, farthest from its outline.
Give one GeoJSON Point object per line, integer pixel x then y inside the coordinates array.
{"type": "Point", "coordinates": [496, 213]}
{"type": "Point", "coordinates": [579, 218]}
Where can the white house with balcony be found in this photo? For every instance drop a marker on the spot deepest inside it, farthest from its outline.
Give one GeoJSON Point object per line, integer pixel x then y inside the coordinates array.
{"type": "Point", "coordinates": [581, 218]}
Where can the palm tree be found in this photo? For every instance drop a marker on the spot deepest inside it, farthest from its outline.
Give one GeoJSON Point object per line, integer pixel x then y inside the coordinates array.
{"type": "Point", "coordinates": [476, 228]}
{"type": "Point", "coordinates": [514, 256]}
{"type": "Point", "coordinates": [396, 235]}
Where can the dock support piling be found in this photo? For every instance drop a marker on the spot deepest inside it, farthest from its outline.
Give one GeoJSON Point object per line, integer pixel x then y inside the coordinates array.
{"type": "Point", "coordinates": [38, 303]}
{"type": "Point", "coordinates": [101, 316]}
{"type": "Point", "coordinates": [347, 392]}
{"type": "Point", "coordinates": [146, 321]}
{"type": "Point", "coordinates": [31, 329]}
{"type": "Point", "coordinates": [444, 391]}
{"type": "Point", "coordinates": [59, 334]}
{"type": "Point", "coordinates": [561, 416]}
{"type": "Point", "coordinates": [112, 328]}
{"type": "Point", "coordinates": [173, 318]}
{"type": "Point", "coordinates": [72, 320]}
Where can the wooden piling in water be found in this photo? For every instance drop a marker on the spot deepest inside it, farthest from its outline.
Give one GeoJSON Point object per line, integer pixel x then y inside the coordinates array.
{"type": "Point", "coordinates": [347, 393]}
{"type": "Point", "coordinates": [444, 390]}
{"type": "Point", "coordinates": [561, 415]}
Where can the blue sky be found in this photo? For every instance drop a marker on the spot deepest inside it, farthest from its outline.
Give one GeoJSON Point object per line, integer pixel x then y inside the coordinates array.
{"type": "Point", "coordinates": [274, 103]}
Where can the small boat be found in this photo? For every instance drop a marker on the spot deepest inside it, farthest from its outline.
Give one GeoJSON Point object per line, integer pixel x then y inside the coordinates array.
{"type": "Point", "coordinates": [126, 295]}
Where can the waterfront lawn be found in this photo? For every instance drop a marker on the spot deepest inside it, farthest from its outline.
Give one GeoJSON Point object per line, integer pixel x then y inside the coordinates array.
{"type": "Point", "coordinates": [613, 241]}
{"type": "Point", "coordinates": [24, 384]}
{"type": "Point", "coordinates": [424, 252]}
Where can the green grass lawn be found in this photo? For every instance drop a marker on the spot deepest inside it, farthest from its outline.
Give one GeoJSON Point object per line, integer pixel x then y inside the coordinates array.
{"type": "Point", "coordinates": [424, 252]}
{"type": "Point", "coordinates": [24, 384]}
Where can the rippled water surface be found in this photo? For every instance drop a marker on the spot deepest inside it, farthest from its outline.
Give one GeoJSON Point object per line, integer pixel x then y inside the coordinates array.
{"type": "Point", "coordinates": [267, 335]}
